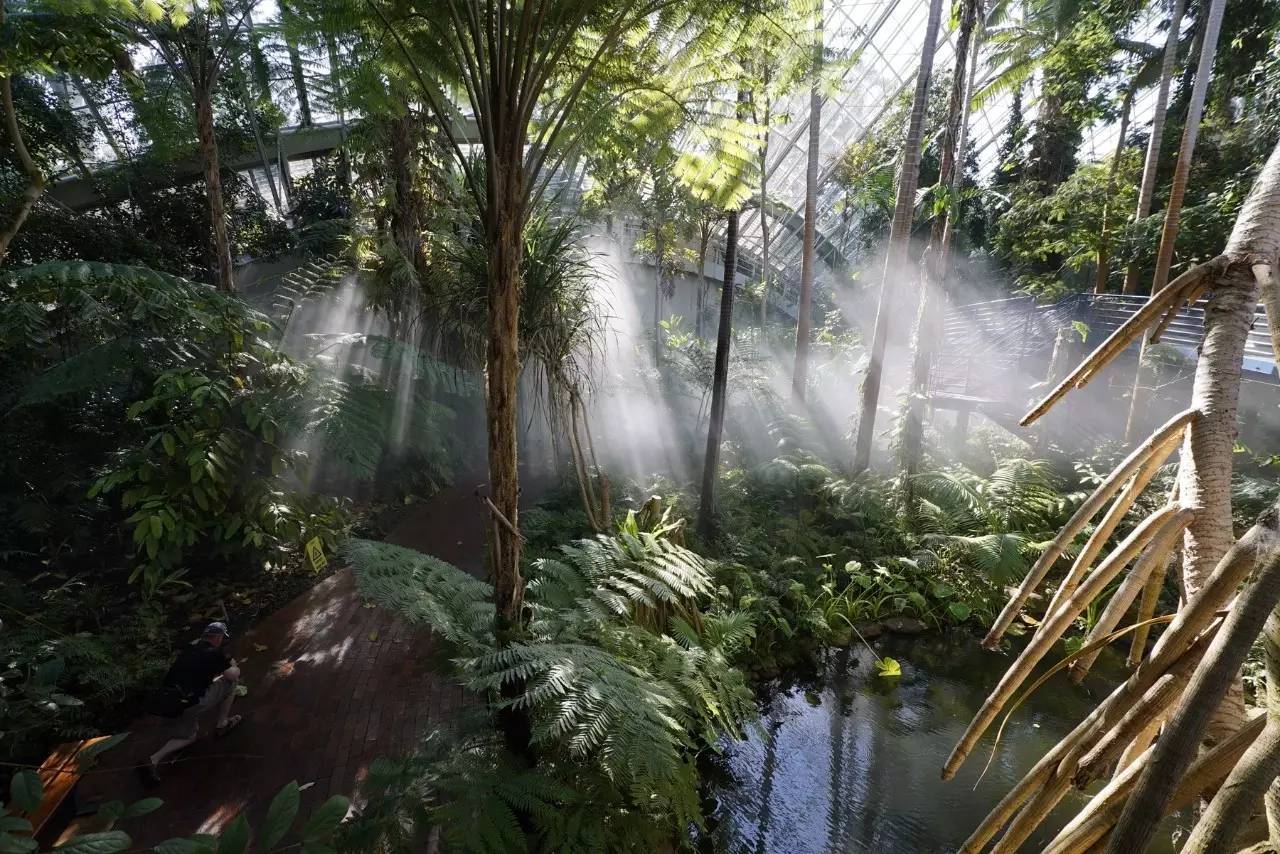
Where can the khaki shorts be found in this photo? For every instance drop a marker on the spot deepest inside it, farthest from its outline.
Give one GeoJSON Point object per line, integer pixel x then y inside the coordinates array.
{"type": "Point", "coordinates": [187, 725]}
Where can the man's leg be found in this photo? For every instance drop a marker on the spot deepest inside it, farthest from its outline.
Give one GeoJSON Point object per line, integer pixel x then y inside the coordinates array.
{"type": "Point", "coordinates": [186, 728]}
{"type": "Point", "coordinates": [231, 678]}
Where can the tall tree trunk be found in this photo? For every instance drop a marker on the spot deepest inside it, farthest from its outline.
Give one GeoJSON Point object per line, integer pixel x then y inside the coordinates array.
{"type": "Point", "coordinates": [503, 371]}
{"type": "Point", "coordinates": [407, 212]}
{"type": "Point", "coordinates": [804, 316]}
{"type": "Point", "coordinates": [1168, 64]}
{"type": "Point", "coordinates": [704, 243]}
{"type": "Point", "coordinates": [1178, 189]}
{"type": "Point", "coordinates": [1204, 476]}
{"type": "Point", "coordinates": [896, 262]}
{"type": "Point", "coordinates": [295, 66]}
{"type": "Point", "coordinates": [1104, 241]}
{"type": "Point", "coordinates": [660, 250]}
{"type": "Point", "coordinates": [764, 206]}
{"type": "Point", "coordinates": [221, 240]}
{"type": "Point", "coordinates": [933, 272]}
{"type": "Point", "coordinates": [720, 381]}
{"type": "Point", "coordinates": [35, 178]}
{"type": "Point", "coordinates": [335, 81]}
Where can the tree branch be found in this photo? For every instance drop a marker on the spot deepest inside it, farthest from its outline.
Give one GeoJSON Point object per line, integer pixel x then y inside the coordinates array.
{"type": "Point", "coordinates": [35, 178]}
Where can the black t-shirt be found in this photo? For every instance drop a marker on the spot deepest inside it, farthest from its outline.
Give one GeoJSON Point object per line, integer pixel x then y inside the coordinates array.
{"type": "Point", "coordinates": [196, 668]}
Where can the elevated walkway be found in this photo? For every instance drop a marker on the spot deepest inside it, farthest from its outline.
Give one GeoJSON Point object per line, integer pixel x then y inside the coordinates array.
{"type": "Point", "coordinates": [995, 356]}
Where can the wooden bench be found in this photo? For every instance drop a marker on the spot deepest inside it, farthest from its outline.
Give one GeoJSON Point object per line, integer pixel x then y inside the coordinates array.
{"type": "Point", "coordinates": [58, 777]}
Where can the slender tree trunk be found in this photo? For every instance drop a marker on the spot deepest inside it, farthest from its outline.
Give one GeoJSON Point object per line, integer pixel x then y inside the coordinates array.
{"type": "Point", "coordinates": [35, 178]}
{"type": "Point", "coordinates": [221, 240]}
{"type": "Point", "coordinates": [295, 66]}
{"type": "Point", "coordinates": [335, 81]}
{"type": "Point", "coordinates": [503, 371]}
{"type": "Point", "coordinates": [704, 240]}
{"type": "Point", "coordinates": [1181, 174]}
{"type": "Point", "coordinates": [1168, 64]}
{"type": "Point", "coordinates": [660, 251]}
{"type": "Point", "coordinates": [720, 381]}
{"type": "Point", "coordinates": [896, 262]}
{"type": "Point", "coordinates": [804, 316]}
{"type": "Point", "coordinates": [407, 212]}
{"type": "Point", "coordinates": [764, 207]}
{"type": "Point", "coordinates": [933, 272]}
{"type": "Point", "coordinates": [1104, 241]}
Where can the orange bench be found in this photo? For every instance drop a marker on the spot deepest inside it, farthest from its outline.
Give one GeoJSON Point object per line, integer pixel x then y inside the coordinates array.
{"type": "Point", "coordinates": [58, 777]}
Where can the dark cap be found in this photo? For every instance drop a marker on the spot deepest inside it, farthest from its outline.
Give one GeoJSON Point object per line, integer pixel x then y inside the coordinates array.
{"type": "Point", "coordinates": [218, 628]}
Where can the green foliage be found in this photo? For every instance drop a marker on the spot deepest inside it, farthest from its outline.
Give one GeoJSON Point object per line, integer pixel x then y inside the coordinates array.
{"type": "Point", "coordinates": [191, 400]}
{"type": "Point", "coordinates": [624, 669]}
{"type": "Point", "coordinates": [1051, 242]}
{"type": "Point", "coordinates": [996, 524]}
{"type": "Point", "coordinates": [26, 794]}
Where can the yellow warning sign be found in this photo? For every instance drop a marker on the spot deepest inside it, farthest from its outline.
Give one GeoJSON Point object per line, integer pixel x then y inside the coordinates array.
{"type": "Point", "coordinates": [315, 554]}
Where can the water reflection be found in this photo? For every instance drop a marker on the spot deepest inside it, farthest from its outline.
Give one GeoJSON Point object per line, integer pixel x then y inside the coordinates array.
{"type": "Point", "coordinates": [852, 765]}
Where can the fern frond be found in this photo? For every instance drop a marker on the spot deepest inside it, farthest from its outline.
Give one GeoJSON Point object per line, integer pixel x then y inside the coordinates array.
{"type": "Point", "coordinates": [425, 590]}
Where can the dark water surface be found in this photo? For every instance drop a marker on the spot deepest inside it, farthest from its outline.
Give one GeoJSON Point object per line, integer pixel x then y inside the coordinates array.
{"type": "Point", "coordinates": [853, 765]}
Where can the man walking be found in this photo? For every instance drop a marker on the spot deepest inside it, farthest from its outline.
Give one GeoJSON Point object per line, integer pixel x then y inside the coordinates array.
{"type": "Point", "coordinates": [202, 678]}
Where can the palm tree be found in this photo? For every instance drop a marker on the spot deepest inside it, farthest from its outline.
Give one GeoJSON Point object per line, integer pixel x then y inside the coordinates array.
{"type": "Point", "coordinates": [526, 70]}
{"type": "Point", "coordinates": [896, 263]}
{"type": "Point", "coordinates": [1168, 65]}
{"type": "Point", "coordinates": [1177, 192]}
{"type": "Point", "coordinates": [804, 317]}
{"type": "Point", "coordinates": [934, 270]}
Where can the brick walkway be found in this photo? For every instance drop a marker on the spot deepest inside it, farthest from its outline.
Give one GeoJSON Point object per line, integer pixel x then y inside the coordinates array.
{"type": "Point", "coordinates": [335, 685]}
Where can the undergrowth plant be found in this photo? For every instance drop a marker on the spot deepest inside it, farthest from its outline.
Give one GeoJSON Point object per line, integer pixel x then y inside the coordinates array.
{"type": "Point", "coordinates": [626, 672]}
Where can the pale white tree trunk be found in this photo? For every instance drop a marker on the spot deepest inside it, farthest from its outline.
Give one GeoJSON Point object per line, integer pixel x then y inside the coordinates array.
{"type": "Point", "coordinates": [1177, 190]}
{"type": "Point", "coordinates": [895, 265]}
{"type": "Point", "coordinates": [1204, 478]}
{"type": "Point", "coordinates": [1168, 64]}
{"type": "Point", "coordinates": [804, 316]}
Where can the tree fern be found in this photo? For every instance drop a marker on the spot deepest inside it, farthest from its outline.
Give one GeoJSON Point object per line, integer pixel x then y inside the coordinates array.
{"type": "Point", "coordinates": [623, 675]}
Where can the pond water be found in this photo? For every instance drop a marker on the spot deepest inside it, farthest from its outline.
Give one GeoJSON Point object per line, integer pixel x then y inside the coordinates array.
{"type": "Point", "coordinates": [854, 759]}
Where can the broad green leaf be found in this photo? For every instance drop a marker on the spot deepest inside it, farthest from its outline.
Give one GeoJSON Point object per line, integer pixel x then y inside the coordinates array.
{"type": "Point", "coordinates": [107, 842]}
{"type": "Point", "coordinates": [235, 839]}
{"type": "Point", "coordinates": [143, 807]}
{"type": "Point", "coordinates": [888, 667]}
{"type": "Point", "coordinates": [185, 846]}
{"type": "Point", "coordinates": [26, 791]}
{"type": "Point", "coordinates": [280, 815]}
{"type": "Point", "coordinates": [959, 610]}
{"type": "Point", "coordinates": [325, 820]}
